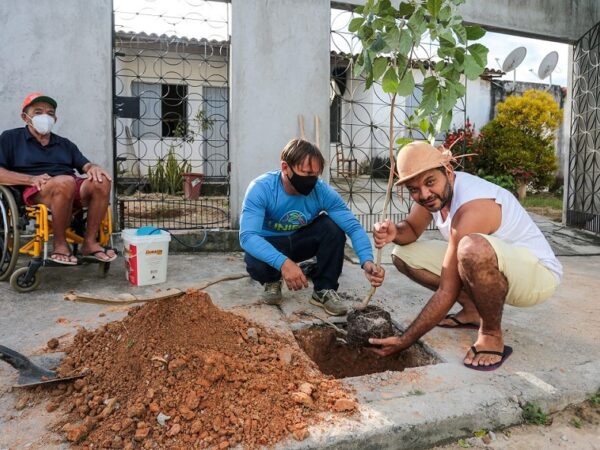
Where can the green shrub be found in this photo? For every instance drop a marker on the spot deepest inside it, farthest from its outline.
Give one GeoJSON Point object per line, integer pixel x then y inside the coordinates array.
{"type": "Point", "coordinates": [507, 150]}
{"type": "Point", "coordinates": [166, 177]}
{"type": "Point", "coordinates": [505, 181]}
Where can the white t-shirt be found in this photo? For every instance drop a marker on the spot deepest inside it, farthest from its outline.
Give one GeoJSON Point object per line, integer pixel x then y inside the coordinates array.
{"type": "Point", "coordinates": [516, 228]}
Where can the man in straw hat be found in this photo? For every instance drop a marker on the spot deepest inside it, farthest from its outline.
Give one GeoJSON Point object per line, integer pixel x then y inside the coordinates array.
{"type": "Point", "coordinates": [494, 253]}
{"type": "Point", "coordinates": [290, 215]}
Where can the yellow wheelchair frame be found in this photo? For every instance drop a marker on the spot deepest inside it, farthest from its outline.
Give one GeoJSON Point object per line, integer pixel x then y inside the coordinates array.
{"type": "Point", "coordinates": [16, 219]}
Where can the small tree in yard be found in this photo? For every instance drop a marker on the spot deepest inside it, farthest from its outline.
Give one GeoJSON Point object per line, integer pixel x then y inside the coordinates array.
{"type": "Point", "coordinates": [520, 140]}
{"type": "Point", "coordinates": [390, 37]}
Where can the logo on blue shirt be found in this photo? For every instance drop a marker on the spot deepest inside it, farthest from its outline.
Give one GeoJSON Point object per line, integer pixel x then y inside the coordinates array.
{"type": "Point", "coordinates": [292, 220]}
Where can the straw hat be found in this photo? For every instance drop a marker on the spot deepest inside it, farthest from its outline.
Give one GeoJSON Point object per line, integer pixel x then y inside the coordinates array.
{"type": "Point", "coordinates": [420, 156]}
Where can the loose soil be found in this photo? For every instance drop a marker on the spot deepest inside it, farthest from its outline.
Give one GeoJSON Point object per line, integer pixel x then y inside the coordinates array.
{"type": "Point", "coordinates": [326, 347]}
{"type": "Point", "coordinates": [184, 374]}
{"type": "Point", "coordinates": [369, 322]}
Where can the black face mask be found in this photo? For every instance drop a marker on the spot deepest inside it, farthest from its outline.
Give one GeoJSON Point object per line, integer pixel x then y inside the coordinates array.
{"type": "Point", "coordinates": [304, 184]}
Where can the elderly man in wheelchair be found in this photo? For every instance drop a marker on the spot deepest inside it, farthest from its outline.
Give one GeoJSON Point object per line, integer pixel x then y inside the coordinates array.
{"type": "Point", "coordinates": [42, 165]}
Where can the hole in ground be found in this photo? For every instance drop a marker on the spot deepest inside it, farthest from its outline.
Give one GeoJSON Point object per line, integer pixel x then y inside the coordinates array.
{"type": "Point", "coordinates": [325, 347]}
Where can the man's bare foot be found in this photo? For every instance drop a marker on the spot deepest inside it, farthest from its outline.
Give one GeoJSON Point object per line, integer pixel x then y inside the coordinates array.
{"type": "Point", "coordinates": [489, 343]}
{"type": "Point", "coordinates": [62, 254]}
{"type": "Point", "coordinates": [462, 316]}
{"type": "Point", "coordinates": [98, 252]}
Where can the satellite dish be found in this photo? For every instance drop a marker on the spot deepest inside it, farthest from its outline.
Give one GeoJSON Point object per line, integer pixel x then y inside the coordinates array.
{"type": "Point", "coordinates": [548, 65]}
{"type": "Point", "coordinates": [514, 58]}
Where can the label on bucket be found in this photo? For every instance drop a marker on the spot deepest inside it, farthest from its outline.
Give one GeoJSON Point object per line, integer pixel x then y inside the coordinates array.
{"type": "Point", "coordinates": [131, 264]}
{"type": "Point", "coordinates": [146, 257]}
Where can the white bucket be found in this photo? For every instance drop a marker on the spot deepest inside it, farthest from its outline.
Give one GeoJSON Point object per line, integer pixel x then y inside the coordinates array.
{"type": "Point", "coordinates": [146, 257]}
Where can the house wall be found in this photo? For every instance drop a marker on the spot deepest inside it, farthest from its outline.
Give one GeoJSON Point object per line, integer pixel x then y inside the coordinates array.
{"type": "Point", "coordinates": [64, 51]}
{"type": "Point", "coordinates": [172, 68]}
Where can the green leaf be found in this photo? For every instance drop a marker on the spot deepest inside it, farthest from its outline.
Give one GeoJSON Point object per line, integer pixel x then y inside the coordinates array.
{"type": "Point", "coordinates": [406, 9]}
{"type": "Point", "coordinates": [378, 45]}
{"type": "Point", "coordinates": [379, 66]}
{"type": "Point", "coordinates": [390, 81]}
{"type": "Point", "coordinates": [460, 89]}
{"type": "Point", "coordinates": [355, 24]}
{"type": "Point", "coordinates": [406, 42]}
{"type": "Point", "coordinates": [402, 141]}
{"type": "Point", "coordinates": [424, 125]}
{"type": "Point", "coordinates": [445, 13]}
{"type": "Point", "coordinates": [479, 52]}
{"type": "Point", "coordinates": [433, 6]}
{"type": "Point", "coordinates": [447, 40]}
{"type": "Point", "coordinates": [461, 33]}
{"type": "Point", "coordinates": [392, 38]}
{"type": "Point", "coordinates": [406, 85]}
{"type": "Point", "coordinates": [459, 55]}
{"type": "Point", "coordinates": [474, 32]}
{"type": "Point", "coordinates": [429, 97]}
{"type": "Point", "coordinates": [472, 68]}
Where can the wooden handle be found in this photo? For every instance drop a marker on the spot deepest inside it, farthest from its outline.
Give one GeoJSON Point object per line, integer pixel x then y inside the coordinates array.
{"type": "Point", "coordinates": [301, 123]}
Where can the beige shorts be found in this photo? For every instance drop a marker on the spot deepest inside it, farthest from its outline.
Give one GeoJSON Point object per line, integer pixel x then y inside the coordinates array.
{"type": "Point", "coordinates": [529, 282]}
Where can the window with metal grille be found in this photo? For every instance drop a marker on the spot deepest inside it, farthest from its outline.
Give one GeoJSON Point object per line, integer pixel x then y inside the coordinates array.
{"type": "Point", "coordinates": [163, 110]}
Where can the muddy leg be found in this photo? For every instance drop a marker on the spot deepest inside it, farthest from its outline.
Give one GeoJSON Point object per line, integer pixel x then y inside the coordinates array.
{"type": "Point", "coordinates": [468, 314]}
{"type": "Point", "coordinates": [488, 287]}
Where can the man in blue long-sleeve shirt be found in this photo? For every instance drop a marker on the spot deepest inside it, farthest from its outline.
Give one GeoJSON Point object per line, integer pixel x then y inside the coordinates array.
{"type": "Point", "coordinates": [289, 215]}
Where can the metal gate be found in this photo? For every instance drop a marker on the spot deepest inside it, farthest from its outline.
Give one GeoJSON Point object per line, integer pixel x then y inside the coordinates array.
{"type": "Point", "coordinates": [171, 121]}
{"type": "Point", "coordinates": [359, 129]}
{"type": "Point", "coordinates": [583, 194]}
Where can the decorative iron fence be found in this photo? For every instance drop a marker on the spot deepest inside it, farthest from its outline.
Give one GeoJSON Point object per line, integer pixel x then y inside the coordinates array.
{"type": "Point", "coordinates": [171, 121]}
{"type": "Point", "coordinates": [583, 194]}
{"type": "Point", "coordinates": [359, 128]}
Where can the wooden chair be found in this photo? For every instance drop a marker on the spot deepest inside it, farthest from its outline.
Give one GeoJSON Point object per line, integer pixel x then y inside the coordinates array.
{"type": "Point", "coordinates": [346, 167]}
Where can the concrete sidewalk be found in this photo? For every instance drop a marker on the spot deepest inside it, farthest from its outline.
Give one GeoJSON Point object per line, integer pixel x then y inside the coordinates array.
{"type": "Point", "coordinates": [556, 358]}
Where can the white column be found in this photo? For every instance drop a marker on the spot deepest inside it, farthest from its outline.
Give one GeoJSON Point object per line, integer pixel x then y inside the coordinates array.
{"type": "Point", "coordinates": [279, 70]}
{"type": "Point", "coordinates": [63, 49]}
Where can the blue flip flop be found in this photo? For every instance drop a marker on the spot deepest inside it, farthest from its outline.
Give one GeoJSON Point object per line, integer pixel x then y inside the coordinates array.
{"type": "Point", "coordinates": [504, 354]}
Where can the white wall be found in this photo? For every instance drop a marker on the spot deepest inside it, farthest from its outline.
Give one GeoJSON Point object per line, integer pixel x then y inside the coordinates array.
{"type": "Point", "coordinates": [279, 69]}
{"type": "Point", "coordinates": [64, 50]}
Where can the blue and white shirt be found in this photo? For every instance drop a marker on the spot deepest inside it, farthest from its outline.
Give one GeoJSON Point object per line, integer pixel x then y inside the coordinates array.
{"type": "Point", "coordinates": [268, 210]}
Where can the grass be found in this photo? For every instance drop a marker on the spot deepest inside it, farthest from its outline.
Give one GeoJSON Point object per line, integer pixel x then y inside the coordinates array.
{"type": "Point", "coordinates": [543, 200]}
{"type": "Point", "coordinates": [594, 400]}
{"type": "Point", "coordinates": [544, 204]}
{"type": "Point", "coordinates": [533, 415]}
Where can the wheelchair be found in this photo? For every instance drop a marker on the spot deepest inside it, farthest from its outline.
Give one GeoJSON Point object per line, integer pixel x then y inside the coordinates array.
{"type": "Point", "coordinates": [16, 222]}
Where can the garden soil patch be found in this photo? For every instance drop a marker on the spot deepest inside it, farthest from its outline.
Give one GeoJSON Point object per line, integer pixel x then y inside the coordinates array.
{"type": "Point", "coordinates": [184, 374]}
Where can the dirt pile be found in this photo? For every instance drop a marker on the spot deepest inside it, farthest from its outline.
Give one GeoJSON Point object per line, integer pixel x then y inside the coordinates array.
{"type": "Point", "coordinates": [182, 374]}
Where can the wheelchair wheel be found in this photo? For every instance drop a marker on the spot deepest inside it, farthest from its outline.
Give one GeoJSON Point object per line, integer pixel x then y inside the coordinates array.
{"type": "Point", "coordinates": [17, 280]}
{"type": "Point", "coordinates": [9, 233]}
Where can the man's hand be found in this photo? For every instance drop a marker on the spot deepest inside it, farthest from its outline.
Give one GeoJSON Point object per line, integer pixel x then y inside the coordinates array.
{"type": "Point", "coordinates": [97, 173]}
{"type": "Point", "coordinates": [39, 181]}
{"type": "Point", "coordinates": [293, 276]}
{"type": "Point", "coordinates": [374, 275]}
{"type": "Point", "coordinates": [384, 233]}
{"type": "Point", "coordinates": [389, 345]}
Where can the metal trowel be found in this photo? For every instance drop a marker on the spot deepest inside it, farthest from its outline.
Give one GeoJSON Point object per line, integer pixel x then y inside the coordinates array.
{"type": "Point", "coordinates": [31, 374]}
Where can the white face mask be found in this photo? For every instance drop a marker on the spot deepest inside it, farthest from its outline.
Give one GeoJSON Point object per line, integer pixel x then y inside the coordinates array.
{"type": "Point", "coordinates": [42, 123]}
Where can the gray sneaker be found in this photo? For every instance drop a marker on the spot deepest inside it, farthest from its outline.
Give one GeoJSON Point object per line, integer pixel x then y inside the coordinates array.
{"type": "Point", "coordinates": [330, 301]}
{"type": "Point", "coordinates": [272, 294]}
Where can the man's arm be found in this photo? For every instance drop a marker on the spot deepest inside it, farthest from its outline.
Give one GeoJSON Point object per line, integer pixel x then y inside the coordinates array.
{"type": "Point", "coordinates": [95, 172]}
{"type": "Point", "coordinates": [478, 216]}
{"type": "Point", "coordinates": [405, 232]}
{"type": "Point", "coordinates": [11, 178]}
